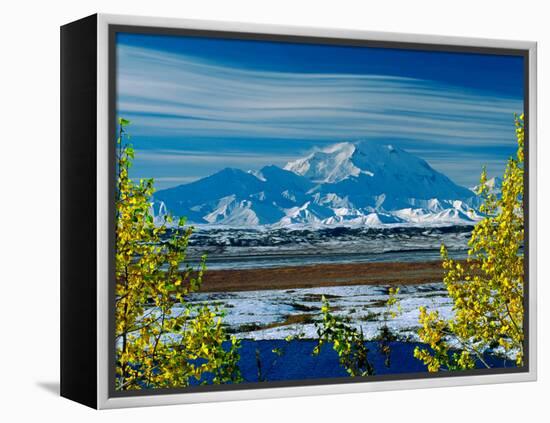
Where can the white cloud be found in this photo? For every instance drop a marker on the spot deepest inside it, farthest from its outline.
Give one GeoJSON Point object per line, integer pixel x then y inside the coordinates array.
{"type": "Point", "coordinates": [196, 157]}
{"type": "Point", "coordinates": [174, 95]}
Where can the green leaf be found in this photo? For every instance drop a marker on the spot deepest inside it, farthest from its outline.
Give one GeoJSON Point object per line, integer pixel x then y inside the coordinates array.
{"type": "Point", "coordinates": [130, 152]}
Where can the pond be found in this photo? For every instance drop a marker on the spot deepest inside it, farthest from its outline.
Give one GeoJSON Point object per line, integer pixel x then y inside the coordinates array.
{"type": "Point", "coordinates": [297, 362]}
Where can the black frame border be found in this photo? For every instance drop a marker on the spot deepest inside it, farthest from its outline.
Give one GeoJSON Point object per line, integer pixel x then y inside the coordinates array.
{"type": "Point", "coordinates": [113, 29]}
{"type": "Point", "coordinates": [78, 211]}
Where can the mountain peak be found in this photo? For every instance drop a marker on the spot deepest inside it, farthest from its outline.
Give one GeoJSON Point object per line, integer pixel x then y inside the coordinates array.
{"type": "Point", "coordinates": [343, 160]}
{"type": "Point", "coordinates": [494, 185]}
{"type": "Point", "coordinates": [327, 165]}
{"type": "Point", "coordinates": [370, 167]}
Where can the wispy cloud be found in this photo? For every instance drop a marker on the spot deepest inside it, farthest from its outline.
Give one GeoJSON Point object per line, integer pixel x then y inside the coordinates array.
{"type": "Point", "coordinates": [177, 96]}
{"type": "Point", "coordinates": [226, 158]}
{"type": "Point", "coordinates": [173, 96]}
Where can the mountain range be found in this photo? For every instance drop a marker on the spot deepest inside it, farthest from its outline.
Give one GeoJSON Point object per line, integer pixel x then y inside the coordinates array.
{"type": "Point", "coordinates": [361, 183]}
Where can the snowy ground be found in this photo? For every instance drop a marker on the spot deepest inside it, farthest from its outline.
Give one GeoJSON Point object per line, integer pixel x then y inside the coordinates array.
{"type": "Point", "coordinates": [275, 314]}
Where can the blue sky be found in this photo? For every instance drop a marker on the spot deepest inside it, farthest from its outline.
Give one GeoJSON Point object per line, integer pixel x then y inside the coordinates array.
{"type": "Point", "coordinates": [198, 105]}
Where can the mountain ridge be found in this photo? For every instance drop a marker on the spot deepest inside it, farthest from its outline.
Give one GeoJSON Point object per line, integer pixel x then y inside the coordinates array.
{"type": "Point", "coordinates": [346, 183]}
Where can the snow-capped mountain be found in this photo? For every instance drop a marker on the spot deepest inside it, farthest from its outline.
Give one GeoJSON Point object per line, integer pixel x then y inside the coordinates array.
{"type": "Point", "coordinates": [330, 165]}
{"type": "Point", "coordinates": [494, 184]}
{"type": "Point", "coordinates": [368, 169]}
{"type": "Point", "coordinates": [344, 184]}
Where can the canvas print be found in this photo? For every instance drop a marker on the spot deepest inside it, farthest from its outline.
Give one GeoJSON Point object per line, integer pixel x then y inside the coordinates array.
{"type": "Point", "coordinates": [298, 211]}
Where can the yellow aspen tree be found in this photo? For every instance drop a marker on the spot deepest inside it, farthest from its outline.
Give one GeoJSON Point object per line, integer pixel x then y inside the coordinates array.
{"type": "Point", "coordinates": [348, 342]}
{"type": "Point", "coordinates": [162, 341]}
{"type": "Point", "coordinates": [487, 289]}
